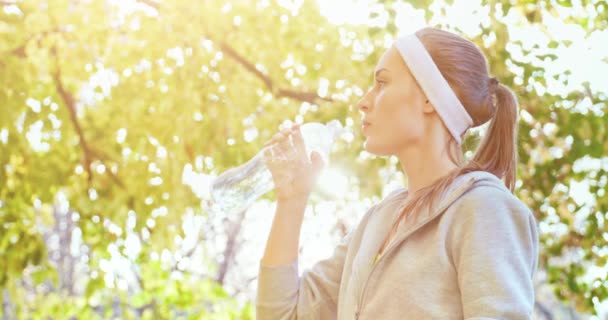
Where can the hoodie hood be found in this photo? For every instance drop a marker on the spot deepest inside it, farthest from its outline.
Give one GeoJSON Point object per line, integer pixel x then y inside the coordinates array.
{"type": "Point", "coordinates": [389, 209]}
{"type": "Point", "coordinates": [461, 185]}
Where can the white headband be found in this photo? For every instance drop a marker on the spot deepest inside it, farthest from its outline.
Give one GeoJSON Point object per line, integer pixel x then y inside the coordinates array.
{"type": "Point", "coordinates": [434, 85]}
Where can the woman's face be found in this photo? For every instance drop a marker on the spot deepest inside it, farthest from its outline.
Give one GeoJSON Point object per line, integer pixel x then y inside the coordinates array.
{"type": "Point", "coordinates": [393, 110]}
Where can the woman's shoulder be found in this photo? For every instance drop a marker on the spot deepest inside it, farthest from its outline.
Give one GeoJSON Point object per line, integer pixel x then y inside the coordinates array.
{"type": "Point", "coordinates": [489, 195]}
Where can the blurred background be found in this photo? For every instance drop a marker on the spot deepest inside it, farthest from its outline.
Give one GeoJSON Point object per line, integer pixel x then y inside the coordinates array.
{"type": "Point", "coordinates": [116, 114]}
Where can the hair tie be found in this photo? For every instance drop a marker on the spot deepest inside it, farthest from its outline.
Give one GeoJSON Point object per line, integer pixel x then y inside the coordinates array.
{"type": "Point", "coordinates": [494, 100]}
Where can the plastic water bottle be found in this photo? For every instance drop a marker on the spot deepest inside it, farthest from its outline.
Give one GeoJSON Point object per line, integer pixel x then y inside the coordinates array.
{"type": "Point", "coordinates": [236, 189]}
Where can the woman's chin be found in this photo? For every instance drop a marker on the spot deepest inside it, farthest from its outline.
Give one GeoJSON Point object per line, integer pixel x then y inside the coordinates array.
{"type": "Point", "coordinates": [367, 146]}
{"type": "Point", "coordinates": [375, 149]}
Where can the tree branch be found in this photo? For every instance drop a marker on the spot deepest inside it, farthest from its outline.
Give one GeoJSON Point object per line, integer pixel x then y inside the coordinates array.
{"type": "Point", "coordinates": [574, 239]}
{"type": "Point", "coordinates": [310, 97]}
{"type": "Point", "coordinates": [304, 96]}
{"type": "Point", "coordinates": [102, 157]}
{"type": "Point", "coordinates": [247, 65]}
{"type": "Point", "coordinates": [148, 306]}
{"type": "Point", "coordinates": [151, 3]}
{"type": "Point", "coordinates": [7, 305]}
{"type": "Point", "coordinates": [231, 247]}
{"type": "Point", "coordinates": [70, 103]}
{"type": "Point", "coordinates": [20, 50]}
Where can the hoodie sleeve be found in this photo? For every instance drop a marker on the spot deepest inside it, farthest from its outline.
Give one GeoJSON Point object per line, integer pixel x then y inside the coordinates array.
{"type": "Point", "coordinates": [494, 248]}
{"type": "Point", "coordinates": [282, 294]}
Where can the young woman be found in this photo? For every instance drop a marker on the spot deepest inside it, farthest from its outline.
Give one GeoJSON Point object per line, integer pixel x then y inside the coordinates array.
{"type": "Point", "coordinates": [456, 244]}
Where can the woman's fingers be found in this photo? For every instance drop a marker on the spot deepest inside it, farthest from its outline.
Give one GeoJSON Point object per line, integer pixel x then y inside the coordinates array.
{"type": "Point", "coordinates": [292, 169]}
{"type": "Point", "coordinates": [287, 145]}
{"type": "Point", "coordinates": [273, 140]}
{"type": "Point", "coordinates": [278, 136]}
{"type": "Point", "coordinates": [298, 141]}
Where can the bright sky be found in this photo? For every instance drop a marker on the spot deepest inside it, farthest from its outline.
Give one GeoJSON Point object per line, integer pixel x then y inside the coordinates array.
{"type": "Point", "coordinates": [467, 14]}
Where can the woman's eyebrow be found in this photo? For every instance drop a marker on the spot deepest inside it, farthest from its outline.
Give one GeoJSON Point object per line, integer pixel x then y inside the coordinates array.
{"type": "Point", "coordinates": [379, 71]}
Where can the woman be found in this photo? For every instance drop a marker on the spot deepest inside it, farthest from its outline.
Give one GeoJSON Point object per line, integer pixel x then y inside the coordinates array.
{"type": "Point", "coordinates": [456, 244]}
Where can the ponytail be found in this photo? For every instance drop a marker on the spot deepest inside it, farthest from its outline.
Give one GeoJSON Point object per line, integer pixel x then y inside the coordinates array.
{"type": "Point", "coordinates": [497, 152]}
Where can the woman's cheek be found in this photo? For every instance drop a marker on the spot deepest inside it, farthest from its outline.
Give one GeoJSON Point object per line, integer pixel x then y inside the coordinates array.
{"type": "Point", "coordinates": [379, 97]}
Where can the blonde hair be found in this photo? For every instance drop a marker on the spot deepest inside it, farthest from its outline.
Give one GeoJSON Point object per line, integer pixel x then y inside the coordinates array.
{"type": "Point", "coordinates": [465, 68]}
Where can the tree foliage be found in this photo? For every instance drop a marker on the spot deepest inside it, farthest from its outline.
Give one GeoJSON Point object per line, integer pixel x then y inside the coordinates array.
{"type": "Point", "coordinates": [106, 105]}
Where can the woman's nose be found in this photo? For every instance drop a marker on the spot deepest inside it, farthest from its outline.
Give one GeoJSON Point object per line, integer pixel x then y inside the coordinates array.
{"type": "Point", "coordinates": [364, 104]}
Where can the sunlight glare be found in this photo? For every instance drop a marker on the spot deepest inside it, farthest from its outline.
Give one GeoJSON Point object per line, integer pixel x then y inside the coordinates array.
{"type": "Point", "coordinates": [333, 181]}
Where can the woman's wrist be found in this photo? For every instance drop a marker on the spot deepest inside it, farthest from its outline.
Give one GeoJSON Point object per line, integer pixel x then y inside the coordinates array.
{"type": "Point", "coordinates": [295, 201]}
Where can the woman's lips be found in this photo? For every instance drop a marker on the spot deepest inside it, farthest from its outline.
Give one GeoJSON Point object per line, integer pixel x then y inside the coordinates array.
{"type": "Point", "coordinates": [365, 125]}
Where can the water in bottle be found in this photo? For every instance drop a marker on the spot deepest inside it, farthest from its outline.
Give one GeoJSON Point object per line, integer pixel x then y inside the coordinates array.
{"type": "Point", "coordinates": [237, 188]}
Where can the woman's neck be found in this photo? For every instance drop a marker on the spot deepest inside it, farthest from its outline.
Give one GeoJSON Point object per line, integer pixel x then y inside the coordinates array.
{"type": "Point", "coordinates": [422, 168]}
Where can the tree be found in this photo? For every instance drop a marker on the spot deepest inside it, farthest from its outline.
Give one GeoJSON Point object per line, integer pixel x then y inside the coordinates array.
{"type": "Point", "coordinates": [110, 109]}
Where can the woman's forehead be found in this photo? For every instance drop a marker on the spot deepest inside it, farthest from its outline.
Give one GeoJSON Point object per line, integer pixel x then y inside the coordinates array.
{"type": "Point", "coordinates": [392, 61]}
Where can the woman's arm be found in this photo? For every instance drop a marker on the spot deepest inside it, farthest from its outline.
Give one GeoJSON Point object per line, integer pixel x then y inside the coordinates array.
{"type": "Point", "coordinates": [283, 294]}
{"type": "Point", "coordinates": [283, 241]}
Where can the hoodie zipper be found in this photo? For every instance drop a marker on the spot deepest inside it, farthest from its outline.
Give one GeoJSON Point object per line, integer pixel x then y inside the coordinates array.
{"type": "Point", "coordinates": [362, 297]}
{"type": "Point", "coordinates": [394, 244]}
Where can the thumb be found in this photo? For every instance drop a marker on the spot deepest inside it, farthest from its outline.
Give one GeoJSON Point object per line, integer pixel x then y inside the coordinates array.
{"type": "Point", "coordinates": [317, 162]}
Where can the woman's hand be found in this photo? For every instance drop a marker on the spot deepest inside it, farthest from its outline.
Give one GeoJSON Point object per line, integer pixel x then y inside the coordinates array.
{"type": "Point", "coordinates": [293, 172]}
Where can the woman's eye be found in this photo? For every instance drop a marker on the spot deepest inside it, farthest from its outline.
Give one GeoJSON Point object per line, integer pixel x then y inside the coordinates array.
{"type": "Point", "coordinates": [380, 83]}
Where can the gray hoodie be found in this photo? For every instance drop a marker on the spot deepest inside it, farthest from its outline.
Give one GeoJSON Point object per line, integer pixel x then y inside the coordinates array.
{"type": "Point", "coordinates": [473, 256]}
